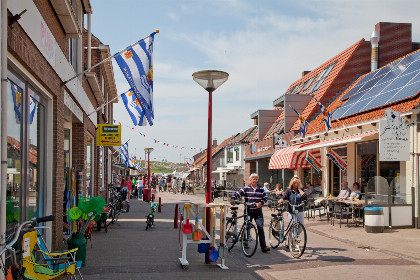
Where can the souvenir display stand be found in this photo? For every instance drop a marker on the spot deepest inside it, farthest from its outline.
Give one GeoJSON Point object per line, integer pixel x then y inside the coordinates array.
{"type": "Point", "coordinates": [197, 233]}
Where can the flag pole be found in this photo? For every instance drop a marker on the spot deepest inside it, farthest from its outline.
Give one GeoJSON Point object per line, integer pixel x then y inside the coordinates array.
{"type": "Point", "coordinates": [103, 105]}
{"type": "Point", "coordinates": [109, 58]}
{"type": "Point", "coordinates": [120, 146]}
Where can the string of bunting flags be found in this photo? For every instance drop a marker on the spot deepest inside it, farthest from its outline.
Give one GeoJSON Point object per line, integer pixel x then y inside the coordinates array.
{"type": "Point", "coordinates": [164, 143]}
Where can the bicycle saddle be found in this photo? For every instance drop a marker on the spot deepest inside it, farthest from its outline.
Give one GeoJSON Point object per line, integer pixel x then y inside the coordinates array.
{"type": "Point", "coordinates": [234, 208]}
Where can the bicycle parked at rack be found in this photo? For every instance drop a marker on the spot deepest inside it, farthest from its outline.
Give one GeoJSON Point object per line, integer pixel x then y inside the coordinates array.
{"type": "Point", "coordinates": [295, 231]}
{"type": "Point", "coordinates": [247, 233]}
{"type": "Point", "coordinates": [151, 217]}
{"type": "Point", "coordinates": [117, 205]}
{"type": "Point", "coordinates": [19, 261]}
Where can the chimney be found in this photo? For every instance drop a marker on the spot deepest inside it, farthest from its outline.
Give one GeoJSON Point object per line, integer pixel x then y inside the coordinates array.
{"type": "Point", "coordinates": [305, 72]}
{"type": "Point", "coordinates": [214, 142]}
{"type": "Point", "coordinates": [374, 40]}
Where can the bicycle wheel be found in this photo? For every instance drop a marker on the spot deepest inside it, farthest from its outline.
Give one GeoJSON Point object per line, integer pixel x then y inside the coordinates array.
{"type": "Point", "coordinates": [111, 215]}
{"type": "Point", "coordinates": [297, 240]}
{"type": "Point", "coordinates": [274, 233]}
{"type": "Point", "coordinates": [249, 240]}
{"type": "Point", "coordinates": [148, 223]}
{"type": "Point", "coordinates": [230, 235]}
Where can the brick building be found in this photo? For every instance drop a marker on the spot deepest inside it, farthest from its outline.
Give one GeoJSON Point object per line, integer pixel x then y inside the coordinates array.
{"type": "Point", "coordinates": [51, 125]}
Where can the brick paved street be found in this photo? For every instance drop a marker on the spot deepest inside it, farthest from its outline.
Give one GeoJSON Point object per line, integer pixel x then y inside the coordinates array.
{"type": "Point", "coordinates": [131, 252]}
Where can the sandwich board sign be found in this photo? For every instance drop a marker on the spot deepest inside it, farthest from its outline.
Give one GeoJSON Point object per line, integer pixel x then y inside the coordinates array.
{"type": "Point", "coordinates": [108, 135]}
{"type": "Point", "coordinates": [394, 137]}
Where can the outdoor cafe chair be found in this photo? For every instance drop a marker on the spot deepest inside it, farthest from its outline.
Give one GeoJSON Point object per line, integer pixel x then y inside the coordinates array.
{"type": "Point", "coordinates": [341, 210]}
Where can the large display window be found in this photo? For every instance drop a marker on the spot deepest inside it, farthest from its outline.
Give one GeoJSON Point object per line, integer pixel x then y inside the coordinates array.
{"type": "Point", "coordinates": [89, 167]}
{"type": "Point", "coordinates": [26, 130]}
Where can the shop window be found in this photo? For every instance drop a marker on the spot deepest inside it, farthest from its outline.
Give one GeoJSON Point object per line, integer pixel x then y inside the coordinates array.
{"type": "Point", "coordinates": [89, 167]}
{"type": "Point", "coordinates": [338, 176]}
{"type": "Point", "coordinates": [367, 165]}
{"type": "Point", "coordinates": [101, 168]}
{"type": "Point", "coordinates": [393, 183]}
{"type": "Point", "coordinates": [25, 196]}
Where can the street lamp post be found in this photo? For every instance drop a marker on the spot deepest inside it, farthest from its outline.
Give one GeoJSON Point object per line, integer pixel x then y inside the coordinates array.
{"type": "Point", "coordinates": [210, 80]}
{"type": "Point", "coordinates": [148, 151]}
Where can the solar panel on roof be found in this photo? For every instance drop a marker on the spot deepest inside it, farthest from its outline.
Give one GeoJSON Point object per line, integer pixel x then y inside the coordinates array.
{"type": "Point", "coordinates": [391, 83]}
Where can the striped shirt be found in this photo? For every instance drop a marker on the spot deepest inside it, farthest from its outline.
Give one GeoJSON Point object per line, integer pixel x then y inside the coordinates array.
{"type": "Point", "coordinates": [251, 195]}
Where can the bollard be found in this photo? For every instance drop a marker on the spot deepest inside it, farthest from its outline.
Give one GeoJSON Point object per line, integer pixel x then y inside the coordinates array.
{"type": "Point", "coordinates": [176, 217]}
{"type": "Point", "coordinates": [160, 204]}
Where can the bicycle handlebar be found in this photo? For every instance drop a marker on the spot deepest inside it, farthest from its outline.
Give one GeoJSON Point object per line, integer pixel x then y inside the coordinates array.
{"type": "Point", "coordinates": [32, 222]}
{"type": "Point", "coordinates": [49, 218]}
{"type": "Point", "coordinates": [252, 204]}
{"type": "Point", "coordinates": [294, 206]}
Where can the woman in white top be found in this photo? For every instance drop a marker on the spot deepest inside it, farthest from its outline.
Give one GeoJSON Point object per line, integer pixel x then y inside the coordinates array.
{"type": "Point", "coordinates": [139, 185]}
{"type": "Point", "coordinates": [356, 192]}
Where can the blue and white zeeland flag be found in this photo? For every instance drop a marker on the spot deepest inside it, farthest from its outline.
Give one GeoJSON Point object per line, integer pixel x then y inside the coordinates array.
{"type": "Point", "coordinates": [302, 123]}
{"type": "Point", "coordinates": [134, 109]}
{"type": "Point", "coordinates": [136, 63]}
{"type": "Point", "coordinates": [326, 116]}
{"type": "Point", "coordinates": [124, 153]}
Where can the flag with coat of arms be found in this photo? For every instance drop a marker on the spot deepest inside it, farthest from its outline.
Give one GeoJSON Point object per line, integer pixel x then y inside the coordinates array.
{"type": "Point", "coordinates": [302, 123]}
{"type": "Point", "coordinates": [136, 63]}
{"type": "Point", "coordinates": [133, 108]}
{"type": "Point", "coordinates": [325, 113]}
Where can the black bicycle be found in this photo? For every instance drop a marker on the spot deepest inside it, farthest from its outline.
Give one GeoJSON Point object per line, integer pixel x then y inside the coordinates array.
{"type": "Point", "coordinates": [295, 231]}
{"type": "Point", "coordinates": [247, 234]}
{"type": "Point", "coordinates": [150, 221]}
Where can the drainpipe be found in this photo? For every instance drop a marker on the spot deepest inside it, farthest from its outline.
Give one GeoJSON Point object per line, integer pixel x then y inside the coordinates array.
{"type": "Point", "coordinates": [3, 176]}
{"type": "Point", "coordinates": [374, 40]}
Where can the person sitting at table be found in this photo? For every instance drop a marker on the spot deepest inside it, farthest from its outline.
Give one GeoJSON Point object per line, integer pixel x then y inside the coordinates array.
{"type": "Point", "coordinates": [356, 191]}
{"type": "Point", "coordinates": [345, 192]}
{"type": "Point", "coordinates": [309, 188]}
{"type": "Point", "coordinates": [266, 188]}
{"type": "Point", "coordinates": [278, 191]}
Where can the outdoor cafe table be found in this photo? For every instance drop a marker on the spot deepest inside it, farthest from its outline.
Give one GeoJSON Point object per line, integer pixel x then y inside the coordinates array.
{"type": "Point", "coordinates": [356, 205]}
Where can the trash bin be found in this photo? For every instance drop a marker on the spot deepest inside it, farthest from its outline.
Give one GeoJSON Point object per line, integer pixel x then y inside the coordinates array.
{"type": "Point", "coordinates": [374, 219]}
{"type": "Point", "coordinates": [147, 194]}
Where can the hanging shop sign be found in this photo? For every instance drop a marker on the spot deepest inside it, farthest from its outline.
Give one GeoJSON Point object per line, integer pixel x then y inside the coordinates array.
{"type": "Point", "coordinates": [394, 137]}
{"type": "Point", "coordinates": [334, 157]}
{"type": "Point", "coordinates": [108, 135]}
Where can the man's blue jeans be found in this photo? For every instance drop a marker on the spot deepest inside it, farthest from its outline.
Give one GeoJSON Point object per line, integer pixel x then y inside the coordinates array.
{"type": "Point", "coordinates": [257, 215]}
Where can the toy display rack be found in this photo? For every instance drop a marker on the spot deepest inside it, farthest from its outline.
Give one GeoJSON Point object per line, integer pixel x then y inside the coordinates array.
{"type": "Point", "coordinates": [187, 237]}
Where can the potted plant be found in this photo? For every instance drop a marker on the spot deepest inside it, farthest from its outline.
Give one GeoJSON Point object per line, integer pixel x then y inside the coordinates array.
{"type": "Point", "coordinates": [86, 210]}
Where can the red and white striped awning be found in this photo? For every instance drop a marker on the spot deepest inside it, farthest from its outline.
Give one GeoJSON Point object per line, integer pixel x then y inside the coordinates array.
{"type": "Point", "coordinates": [289, 158]}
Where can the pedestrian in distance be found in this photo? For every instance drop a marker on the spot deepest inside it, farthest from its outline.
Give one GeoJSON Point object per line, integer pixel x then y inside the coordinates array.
{"type": "Point", "coordinates": [140, 187]}
{"type": "Point", "coordinates": [127, 184]}
{"type": "Point", "coordinates": [254, 193]}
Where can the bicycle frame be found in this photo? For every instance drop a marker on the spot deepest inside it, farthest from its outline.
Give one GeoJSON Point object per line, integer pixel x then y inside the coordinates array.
{"type": "Point", "coordinates": [292, 222]}
{"type": "Point", "coordinates": [234, 219]}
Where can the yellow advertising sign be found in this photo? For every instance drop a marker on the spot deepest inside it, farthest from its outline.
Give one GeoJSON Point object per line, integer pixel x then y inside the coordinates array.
{"type": "Point", "coordinates": [108, 135]}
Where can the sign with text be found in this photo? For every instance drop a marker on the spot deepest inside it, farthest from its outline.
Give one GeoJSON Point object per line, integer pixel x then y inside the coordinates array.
{"type": "Point", "coordinates": [394, 137]}
{"type": "Point", "coordinates": [108, 135]}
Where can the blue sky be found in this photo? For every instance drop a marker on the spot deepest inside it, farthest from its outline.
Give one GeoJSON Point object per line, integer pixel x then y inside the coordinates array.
{"type": "Point", "coordinates": [264, 45]}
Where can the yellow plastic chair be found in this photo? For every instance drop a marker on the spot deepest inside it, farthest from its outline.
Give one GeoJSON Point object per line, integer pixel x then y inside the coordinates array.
{"type": "Point", "coordinates": [43, 271]}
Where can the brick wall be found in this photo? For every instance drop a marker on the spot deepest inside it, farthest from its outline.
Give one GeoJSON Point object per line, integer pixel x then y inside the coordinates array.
{"type": "Point", "coordinates": [21, 47]}
{"type": "Point", "coordinates": [394, 41]}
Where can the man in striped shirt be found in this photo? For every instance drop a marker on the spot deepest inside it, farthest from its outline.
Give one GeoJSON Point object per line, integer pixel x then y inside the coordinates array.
{"type": "Point", "coordinates": [254, 193]}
